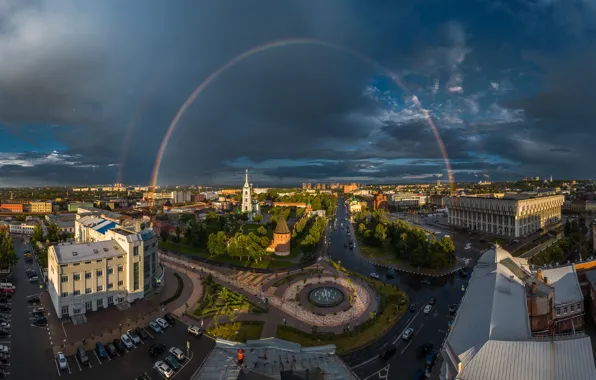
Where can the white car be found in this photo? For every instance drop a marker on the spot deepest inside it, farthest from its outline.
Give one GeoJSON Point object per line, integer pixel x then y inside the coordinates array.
{"type": "Point", "coordinates": [408, 333]}
{"type": "Point", "coordinates": [177, 353]}
{"type": "Point", "coordinates": [5, 325]}
{"type": "Point", "coordinates": [4, 349]}
{"type": "Point", "coordinates": [127, 342]}
{"type": "Point", "coordinates": [194, 330]}
{"type": "Point", "coordinates": [427, 309]}
{"type": "Point", "coordinates": [162, 323]}
{"type": "Point", "coordinates": [155, 327]}
{"type": "Point", "coordinates": [133, 336]}
{"type": "Point", "coordinates": [375, 276]}
{"type": "Point", "coordinates": [468, 246]}
{"type": "Point", "coordinates": [62, 361]}
{"type": "Point", "coordinates": [164, 369]}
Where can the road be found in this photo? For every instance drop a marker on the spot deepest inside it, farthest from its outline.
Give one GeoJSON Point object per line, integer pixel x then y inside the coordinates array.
{"type": "Point", "coordinates": [430, 328]}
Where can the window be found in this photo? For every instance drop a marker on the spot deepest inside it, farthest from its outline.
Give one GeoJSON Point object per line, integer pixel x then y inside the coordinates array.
{"type": "Point", "coordinates": [565, 310]}
{"type": "Point", "coordinates": [110, 285]}
{"type": "Point", "coordinates": [153, 245]}
{"type": "Point", "coordinates": [120, 283]}
{"type": "Point", "coordinates": [88, 291]}
{"type": "Point", "coordinates": [579, 307]}
{"type": "Point", "coordinates": [110, 300]}
{"type": "Point", "coordinates": [558, 311]}
{"type": "Point", "coordinates": [98, 261]}
{"type": "Point", "coordinates": [136, 276]}
{"type": "Point", "coordinates": [135, 251]}
{"type": "Point", "coordinates": [99, 288]}
{"type": "Point", "coordinates": [99, 303]}
{"type": "Point", "coordinates": [87, 262]}
{"type": "Point", "coordinates": [64, 310]}
{"type": "Point", "coordinates": [120, 268]}
{"type": "Point", "coordinates": [99, 273]}
{"type": "Point", "coordinates": [77, 293]}
{"type": "Point", "coordinates": [74, 265]}
{"type": "Point", "coordinates": [572, 308]}
{"type": "Point", "coordinates": [64, 294]}
{"type": "Point", "coordinates": [110, 270]}
{"type": "Point", "coordinates": [76, 311]}
{"type": "Point", "coordinates": [88, 306]}
{"type": "Point", "coordinates": [64, 279]}
{"type": "Point", "coordinates": [87, 274]}
{"type": "Point", "coordinates": [110, 259]}
{"type": "Point", "coordinates": [76, 276]}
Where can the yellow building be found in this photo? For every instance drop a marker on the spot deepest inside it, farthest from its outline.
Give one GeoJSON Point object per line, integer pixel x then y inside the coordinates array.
{"type": "Point", "coordinates": [41, 207]}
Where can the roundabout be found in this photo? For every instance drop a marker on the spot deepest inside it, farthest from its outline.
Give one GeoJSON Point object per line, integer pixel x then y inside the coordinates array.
{"type": "Point", "coordinates": [326, 296]}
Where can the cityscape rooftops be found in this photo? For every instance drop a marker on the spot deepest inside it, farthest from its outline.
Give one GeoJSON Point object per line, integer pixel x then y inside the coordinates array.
{"type": "Point", "coordinates": [72, 253]}
{"type": "Point", "coordinates": [566, 283]}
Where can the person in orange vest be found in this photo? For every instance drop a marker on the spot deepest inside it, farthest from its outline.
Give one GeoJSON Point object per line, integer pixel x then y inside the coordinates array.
{"type": "Point", "coordinates": [240, 356]}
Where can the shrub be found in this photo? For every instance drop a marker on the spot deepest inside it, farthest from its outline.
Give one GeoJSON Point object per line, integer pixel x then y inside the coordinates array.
{"type": "Point", "coordinates": [178, 290]}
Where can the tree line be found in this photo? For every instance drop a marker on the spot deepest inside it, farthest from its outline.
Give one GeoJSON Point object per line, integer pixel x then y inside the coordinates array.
{"type": "Point", "coordinates": [8, 255]}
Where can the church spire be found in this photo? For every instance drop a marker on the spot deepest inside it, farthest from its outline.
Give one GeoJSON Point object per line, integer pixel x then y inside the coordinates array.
{"type": "Point", "coordinates": [246, 180]}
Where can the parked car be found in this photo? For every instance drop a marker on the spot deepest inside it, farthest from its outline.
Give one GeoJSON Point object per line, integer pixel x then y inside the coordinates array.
{"type": "Point", "coordinates": [33, 279]}
{"type": "Point", "coordinates": [375, 276]}
{"type": "Point", "coordinates": [418, 375]}
{"type": "Point", "coordinates": [82, 355]}
{"type": "Point", "coordinates": [142, 333]}
{"type": "Point", "coordinates": [388, 353]}
{"type": "Point", "coordinates": [37, 315]}
{"type": "Point", "coordinates": [391, 273]}
{"type": "Point", "coordinates": [40, 321]}
{"type": "Point", "coordinates": [4, 332]}
{"type": "Point", "coordinates": [194, 330]}
{"type": "Point", "coordinates": [4, 300]}
{"type": "Point", "coordinates": [127, 341]}
{"type": "Point", "coordinates": [452, 309]}
{"type": "Point", "coordinates": [155, 327]}
{"type": "Point", "coordinates": [119, 346]}
{"type": "Point", "coordinates": [5, 308]}
{"type": "Point", "coordinates": [4, 349]}
{"type": "Point", "coordinates": [157, 349]}
{"type": "Point", "coordinates": [101, 350]}
{"type": "Point", "coordinates": [38, 310]}
{"type": "Point", "coordinates": [170, 319]}
{"type": "Point", "coordinates": [172, 362]}
{"type": "Point", "coordinates": [33, 298]}
{"type": "Point", "coordinates": [431, 301]}
{"type": "Point", "coordinates": [408, 333]}
{"type": "Point", "coordinates": [428, 308]}
{"type": "Point", "coordinates": [178, 354]}
{"type": "Point", "coordinates": [423, 350]}
{"type": "Point", "coordinates": [413, 307]}
{"type": "Point", "coordinates": [164, 369]}
{"type": "Point", "coordinates": [430, 359]}
{"type": "Point", "coordinates": [7, 291]}
{"type": "Point", "coordinates": [111, 349]}
{"type": "Point", "coordinates": [134, 337]}
{"type": "Point", "coordinates": [162, 323]}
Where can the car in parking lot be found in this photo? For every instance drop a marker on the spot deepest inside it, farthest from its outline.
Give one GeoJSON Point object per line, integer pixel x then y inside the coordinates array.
{"type": "Point", "coordinates": [375, 276]}
{"type": "Point", "coordinates": [7, 291]}
{"type": "Point", "coordinates": [428, 308]}
{"type": "Point", "coordinates": [194, 330]}
{"type": "Point", "coordinates": [164, 369]}
{"type": "Point", "coordinates": [119, 346]}
{"type": "Point", "coordinates": [111, 349]}
{"type": "Point", "coordinates": [4, 358]}
{"type": "Point", "coordinates": [61, 361]}
{"type": "Point", "coordinates": [413, 307]}
{"type": "Point", "coordinates": [82, 355]}
{"type": "Point", "coordinates": [4, 332]}
{"type": "Point", "coordinates": [178, 354]}
{"type": "Point", "coordinates": [127, 341]}
{"type": "Point", "coordinates": [4, 325]}
{"type": "Point", "coordinates": [170, 319]}
{"type": "Point", "coordinates": [172, 362]}
{"type": "Point", "coordinates": [157, 349]}
{"type": "Point", "coordinates": [452, 309]}
{"type": "Point", "coordinates": [155, 327]}
{"type": "Point", "coordinates": [143, 376]}
{"type": "Point", "coordinates": [142, 333]}
{"type": "Point", "coordinates": [40, 321]}
{"type": "Point", "coordinates": [4, 349]}
{"type": "Point", "coordinates": [5, 308]}
{"type": "Point", "coordinates": [408, 333]}
{"type": "Point", "coordinates": [162, 323]}
{"type": "Point", "coordinates": [33, 279]}
{"type": "Point", "coordinates": [133, 336]}
{"type": "Point", "coordinates": [33, 298]}
{"type": "Point", "coordinates": [101, 350]}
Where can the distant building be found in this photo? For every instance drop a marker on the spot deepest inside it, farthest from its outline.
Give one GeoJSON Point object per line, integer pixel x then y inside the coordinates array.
{"type": "Point", "coordinates": [350, 188]}
{"type": "Point", "coordinates": [23, 228]}
{"type": "Point", "coordinates": [75, 205]}
{"type": "Point", "coordinates": [507, 216]}
{"type": "Point", "coordinates": [437, 200]}
{"type": "Point", "coordinates": [380, 201]}
{"type": "Point", "coordinates": [246, 196]}
{"type": "Point", "coordinates": [41, 207]}
{"type": "Point", "coordinates": [569, 301]}
{"type": "Point", "coordinates": [11, 207]}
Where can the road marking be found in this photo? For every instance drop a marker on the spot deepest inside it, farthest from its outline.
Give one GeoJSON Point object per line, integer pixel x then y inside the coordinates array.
{"type": "Point", "coordinates": [152, 337]}
{"type": "Point", "coordinates": [79, 364]}
{"type": "Point", "coordinates": [63, 329]}
{"type": "Point", "coordinates": [94, 353]}
{"type": "Point", "coordinates": [406, 347]}
{"type": "Point", "coordinates": [365, 362]}
{"type": "Point", "coordinates": [57, 368]}
{"type": "Point", "coordinates": [412, 320]}
{"type": "Point", "coordinates": [378, 373]}
{"type": "Point", "coordinates": [444, 332]}
{"type": "Point", "coordinates": [68, 366]}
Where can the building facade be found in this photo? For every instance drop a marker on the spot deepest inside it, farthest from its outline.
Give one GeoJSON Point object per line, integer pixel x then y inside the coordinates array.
{"type": "Point", "coordinates": [246, 198]}
{"type": "Point", "coordinates": [512, 217]}
{"type": "Point", "coordinates": [41, 207]}
{"type": "Point", "coordinates": [11, 207]}
{"type": "Point", "coordinates": [22, 228]}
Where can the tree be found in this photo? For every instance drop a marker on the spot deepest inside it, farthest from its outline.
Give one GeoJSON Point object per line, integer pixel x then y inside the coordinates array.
{"type": "Point", "coordinates": [178, 232]}
{"type": "Point", "coordinates": [8, 256]}
{"type": "Point", "coordinates": [258, 218]}
{"type": "Point", "coordinates": [53, 232]}
{"type": "Point", "coordinates": [380, 233]}
{"type": "Point", "coordinates": [217, 243]}
{"type": "Point", "coordinates": [163, 234]}
{"type": "Point", "coordinates": [567, 229]}
{"type": "Point", "coordinates": [262, 231]}
{"type": "Point", "coordinates": [37, 233]}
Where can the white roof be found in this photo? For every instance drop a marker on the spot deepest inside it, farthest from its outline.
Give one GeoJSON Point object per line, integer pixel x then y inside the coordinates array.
{"type": "Point", "coordinates": [494, 307]}
{"type": "Point", "coordinates": [532, 360]}
{"type": "Point", "coordinates": [566, 283]}
{"type": "Point", "coordinates": [73, 253]}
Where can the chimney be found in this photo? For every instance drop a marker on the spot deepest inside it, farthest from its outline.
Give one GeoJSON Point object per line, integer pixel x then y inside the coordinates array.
{"type": "Point", "coordinates": [540, 274]}
{"type": "Point", "coordinates": [546, 280]}
{"type": "Point", "coordinates": [533, 288]}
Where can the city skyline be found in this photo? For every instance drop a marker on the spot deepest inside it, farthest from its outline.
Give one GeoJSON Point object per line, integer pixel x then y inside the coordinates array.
{"type": "Point", "coordinates": [342, 98]}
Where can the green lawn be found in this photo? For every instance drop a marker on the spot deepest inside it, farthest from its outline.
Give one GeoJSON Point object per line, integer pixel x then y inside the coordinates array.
{"type": "Point", "coordinates": [237, 331]}
{"type": "Point", "coordinates": [392, 311]}
{"type": "Point", "coordinates": [253, 227]}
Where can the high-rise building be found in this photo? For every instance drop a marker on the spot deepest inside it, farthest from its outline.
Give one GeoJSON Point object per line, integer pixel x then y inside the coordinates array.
{"type": "Point", "coordinates": [246, 199]}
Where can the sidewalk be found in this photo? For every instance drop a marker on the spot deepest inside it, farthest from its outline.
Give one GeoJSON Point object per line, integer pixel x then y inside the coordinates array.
{"type": "Point", "coordinates": [191, 294]}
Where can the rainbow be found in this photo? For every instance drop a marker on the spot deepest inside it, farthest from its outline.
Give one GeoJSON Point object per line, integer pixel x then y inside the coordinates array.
{"type": "Point", "coordinates": [278, 44]}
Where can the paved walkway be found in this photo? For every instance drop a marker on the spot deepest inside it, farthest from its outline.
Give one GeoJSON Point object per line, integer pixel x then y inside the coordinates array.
{"type": "Point", "coordinates": [192, 293]}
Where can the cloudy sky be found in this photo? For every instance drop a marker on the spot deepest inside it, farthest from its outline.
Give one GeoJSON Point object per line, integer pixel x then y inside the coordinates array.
{"type": "Point", "coordinates": [88, 90]}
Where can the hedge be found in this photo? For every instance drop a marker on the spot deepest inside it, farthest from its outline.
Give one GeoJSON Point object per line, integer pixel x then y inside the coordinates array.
{"type": "Point", "coordinates": [178, 290]}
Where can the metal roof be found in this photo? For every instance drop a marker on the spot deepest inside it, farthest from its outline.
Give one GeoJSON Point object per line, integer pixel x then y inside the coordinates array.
{"type": "Point", "coordinates": [532, 360]}
{"type": "Point", "coordinates": [74, 253]}
{"type": "Point", "coordinates": [566, 283]}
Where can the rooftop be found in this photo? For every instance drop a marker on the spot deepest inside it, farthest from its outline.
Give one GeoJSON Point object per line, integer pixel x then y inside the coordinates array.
{"type": "Point", "coordinates": [98, 224]}
{"type": "Point", "coordinates": [566, 283]}
{"type": "Point", "coordinates": [72, 253]}
{"type": "Point", "coordinates": [273, 359]}
{"type": "Point", "coordinates": [282, 226]}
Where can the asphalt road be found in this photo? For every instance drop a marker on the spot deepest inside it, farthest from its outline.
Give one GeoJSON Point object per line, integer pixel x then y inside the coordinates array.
{"type": "Point", "coordinates": [431, 328]}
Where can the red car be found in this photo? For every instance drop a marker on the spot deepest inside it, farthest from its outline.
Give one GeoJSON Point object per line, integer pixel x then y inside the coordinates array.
{"type": "Point", "coordinates": [7, 290]}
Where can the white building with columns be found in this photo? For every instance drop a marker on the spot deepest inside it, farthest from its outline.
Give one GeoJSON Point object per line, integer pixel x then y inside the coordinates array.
{"type": "Point", "coordinates": [511, 216]}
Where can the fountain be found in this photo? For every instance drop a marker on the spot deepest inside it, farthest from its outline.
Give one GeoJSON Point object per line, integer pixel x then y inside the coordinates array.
{"type": "Point", "coordinates": [326, 296]}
